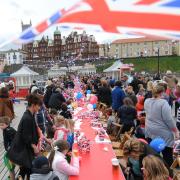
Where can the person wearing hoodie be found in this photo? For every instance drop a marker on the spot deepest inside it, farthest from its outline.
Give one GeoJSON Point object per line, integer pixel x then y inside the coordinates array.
{"type": "Point", "coordinates": [56, 100]}
{"type": "Point", "coordinates": [41, 170]}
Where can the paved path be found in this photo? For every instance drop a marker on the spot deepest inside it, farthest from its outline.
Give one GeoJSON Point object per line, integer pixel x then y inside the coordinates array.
{"type": "Point", "coordinates": [19, 110]}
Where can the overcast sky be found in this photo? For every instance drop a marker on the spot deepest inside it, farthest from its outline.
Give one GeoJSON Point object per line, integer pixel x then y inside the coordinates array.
{"type": "Point", "coordinates": [13, 11]}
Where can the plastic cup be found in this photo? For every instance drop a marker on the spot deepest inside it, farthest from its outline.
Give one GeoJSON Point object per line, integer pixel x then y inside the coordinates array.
{"type": "Point", "coordinates": [115, 162]}
{"type": "Point", "coordinates": [76, 152]}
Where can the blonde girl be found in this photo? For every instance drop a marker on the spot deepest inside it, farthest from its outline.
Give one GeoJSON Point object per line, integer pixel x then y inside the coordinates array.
{"type": "Point", "coordinates": [154, 169]}
{"type": "Point", "coordinates": [61, 131]}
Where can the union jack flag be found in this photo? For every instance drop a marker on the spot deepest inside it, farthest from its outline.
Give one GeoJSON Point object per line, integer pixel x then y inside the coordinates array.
{"type": "Point", "coordinates": [138, 17]}
{"type": "Point", "coordinates": [141, 17]}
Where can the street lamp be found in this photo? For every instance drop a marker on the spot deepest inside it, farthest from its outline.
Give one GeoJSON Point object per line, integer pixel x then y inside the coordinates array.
{"type": "Point", "coordinates": [157, 51]}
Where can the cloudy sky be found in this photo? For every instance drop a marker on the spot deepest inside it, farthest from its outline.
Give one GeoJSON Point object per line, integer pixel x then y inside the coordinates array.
{"type": "Point", "coordinates": [12, 12]}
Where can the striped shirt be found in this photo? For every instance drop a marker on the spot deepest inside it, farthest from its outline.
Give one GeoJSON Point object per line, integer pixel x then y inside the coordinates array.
{"type": "Point", "coordinates": [178, 115]}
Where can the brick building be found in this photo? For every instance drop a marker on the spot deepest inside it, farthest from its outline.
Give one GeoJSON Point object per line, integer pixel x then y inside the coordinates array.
{"type": "Point", "coordinates": [79, 46]}
{"type": "Point", "coordinates": [46, 52]}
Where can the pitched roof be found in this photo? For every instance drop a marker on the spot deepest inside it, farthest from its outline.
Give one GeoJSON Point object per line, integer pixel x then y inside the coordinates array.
{"type": "Point", "coordinates": [137, 40]}
{"type": "Point", "coordinates": [23, 71]}
{"type": "Point", "coordinates": [117, 66]}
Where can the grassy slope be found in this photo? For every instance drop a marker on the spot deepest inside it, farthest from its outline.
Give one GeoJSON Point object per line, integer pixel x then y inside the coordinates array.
{"type": "Point", "coordinates": [150, 64]}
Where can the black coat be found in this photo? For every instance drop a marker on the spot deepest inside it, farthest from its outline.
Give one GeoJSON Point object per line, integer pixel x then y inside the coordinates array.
{"type": "Point", "coordinates": [21, 152]}
{"type": "Point", "coordinates": [127, 114]}
{"type": "Point", "coordinates": [47, 96]}
{"type": "Point", "coordinates": [8, 136]}
{"type": "Point", "coordinates": [104, 95]}
{"type": "Point", "coordinates": [56, 100]}
{"type": "Point", "coordinates": [66, 114]}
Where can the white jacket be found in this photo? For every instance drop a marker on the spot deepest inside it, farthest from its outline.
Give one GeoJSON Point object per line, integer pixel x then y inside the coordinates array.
{"type": "Point", "coordinates": [62, 168]}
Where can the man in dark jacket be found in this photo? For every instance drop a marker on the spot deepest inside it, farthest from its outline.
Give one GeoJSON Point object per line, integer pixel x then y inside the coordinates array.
{"type": "Point", "coordinates": [56, 100]}
{"type": "Point", "coordinates": [135, 84]}
{"type": "Point", "coordinates": [104, 94]}
{"type": "Point", "coordinates": [117, 96]}
{"type": "Point", "coordinates": [48, 93]}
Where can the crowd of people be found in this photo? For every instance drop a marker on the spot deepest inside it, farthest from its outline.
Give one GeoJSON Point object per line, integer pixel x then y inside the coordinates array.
{"type": "Point", "coordinates": [47, 125]}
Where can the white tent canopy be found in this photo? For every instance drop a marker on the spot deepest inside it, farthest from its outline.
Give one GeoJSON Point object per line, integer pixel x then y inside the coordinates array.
{"type": "Point", "coordinates": [24, 71]}
{"type": "Point", "coordinates": [117, 66]}
{"type": "Point", "coordinates": [24, 77]}
{"type": "Point", "coordinates": [116, 69]}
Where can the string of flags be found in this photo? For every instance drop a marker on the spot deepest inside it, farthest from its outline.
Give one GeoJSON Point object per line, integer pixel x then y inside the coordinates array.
{"type": "Point", "coordinates": [132, 17]}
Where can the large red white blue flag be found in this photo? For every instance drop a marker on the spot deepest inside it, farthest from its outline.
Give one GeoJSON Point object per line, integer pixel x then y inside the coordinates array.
{"type": "Point", "coordinates": [138, 17]}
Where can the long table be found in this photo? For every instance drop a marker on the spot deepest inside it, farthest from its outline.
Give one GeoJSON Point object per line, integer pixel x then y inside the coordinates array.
{"type": "Point", "coordinates": [96, 164]}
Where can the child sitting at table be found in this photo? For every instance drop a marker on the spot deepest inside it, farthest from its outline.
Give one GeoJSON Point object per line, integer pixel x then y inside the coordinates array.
{"type": "Point", "coordinates": [154, 169]}
{"type": "Point", "coordinates": [53, 113]}
{"type": "Point", "coordinates": [61, 131]}
{"type": "Point", "coordinates": [41, 170]}
{"type": "Point", "coordinates": [65, 112]}
{"type": "Point", "coordinates": [140, 127]}
{"type": "Point", "coordinates": [50, 127]}
{"type": "Point", "coordinates": [8, 136]}
{"type": "Point", "coordinates": [70, 137]}
{"type": "Point", "coordinates": [111, 118]}
{"type": "Point", "coordinates": [59, 163]}
{"type": "Point", "coordinates": [69, 104]}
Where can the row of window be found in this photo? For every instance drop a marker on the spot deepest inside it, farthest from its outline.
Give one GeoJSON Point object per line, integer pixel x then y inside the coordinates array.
{"type": "Point", "coordinates": [137, 54]}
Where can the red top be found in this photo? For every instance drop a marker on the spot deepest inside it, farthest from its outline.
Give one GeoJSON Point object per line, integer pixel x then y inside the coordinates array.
{"type": "Point", "coordinates": [96, 164]}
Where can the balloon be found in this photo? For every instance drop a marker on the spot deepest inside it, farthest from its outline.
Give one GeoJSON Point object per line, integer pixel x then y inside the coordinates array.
{"type": "Point", "coordinates": [88, 91]}
{"type": "Point", "coordinates": [79, 95]}
{"type": "Point", "coordinates": [158, 144]}
{"type": "Point", "coordinates": [90, 107]}
{"type": "Point", "coordinates": [94, 106]}
{"type": "Point", "coordinates": [75, 94]}
{"type": "Point", "coordinates": [93, 100]}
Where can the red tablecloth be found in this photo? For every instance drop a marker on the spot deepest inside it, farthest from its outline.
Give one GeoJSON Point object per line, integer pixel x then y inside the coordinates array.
{"type": "Point", "coordinates": [96, 165]}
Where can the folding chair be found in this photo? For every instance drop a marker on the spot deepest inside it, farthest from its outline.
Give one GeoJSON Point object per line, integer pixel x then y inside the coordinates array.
{"type": "Point", "coordinates": [175, 167]}
{"type": "Point", "coordinates": [119, 151]}
{"type": "Point", "coordinates": [116, 145]}
{"type": "Point", "coordinates": [116, 130]}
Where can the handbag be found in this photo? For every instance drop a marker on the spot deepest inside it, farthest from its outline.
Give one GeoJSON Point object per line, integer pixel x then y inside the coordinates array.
{"type": "Point", "coordinates": [19, 153]}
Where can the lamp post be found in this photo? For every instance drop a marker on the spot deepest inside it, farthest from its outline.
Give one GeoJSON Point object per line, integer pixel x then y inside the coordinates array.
{"type": "Point", "coordinates": [157, 51]}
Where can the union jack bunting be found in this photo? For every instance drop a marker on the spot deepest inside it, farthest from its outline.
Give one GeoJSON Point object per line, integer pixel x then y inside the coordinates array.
{"type": "Point", "coordinates": [140, 17]}
{"type": "Point", "coordinates": [134, 17]}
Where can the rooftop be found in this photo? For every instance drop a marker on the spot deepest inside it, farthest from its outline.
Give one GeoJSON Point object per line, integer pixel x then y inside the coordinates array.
{"type": "Point", "coordinates": [137, 40]}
